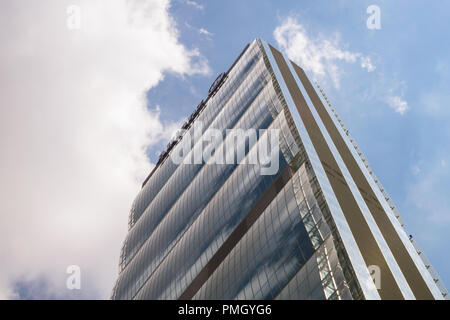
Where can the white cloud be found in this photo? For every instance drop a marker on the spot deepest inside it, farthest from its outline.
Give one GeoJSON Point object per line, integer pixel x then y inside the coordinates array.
{"type": "Point", "coordinates": [366, 63]}
{"type": "Point", "coordinates": [205, 32]}
{"type": "Point", "coordinates": [398, 104]}
{"type": "Point", "coordinates": [74, 128]}
{"type": "Point", "coordinates": [199, 30]}
{"type": "Point", "coordinates": [194, 4]}
{"type": "Point", "coordinates": [317, 55]}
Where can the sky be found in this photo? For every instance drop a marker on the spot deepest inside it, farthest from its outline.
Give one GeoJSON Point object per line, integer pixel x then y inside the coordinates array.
{"type": "Point", "coordinates": [87, 105]}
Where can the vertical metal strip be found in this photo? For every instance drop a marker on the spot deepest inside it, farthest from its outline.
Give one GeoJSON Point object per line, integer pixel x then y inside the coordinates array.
{"type": "Point", "coordinates": [365, 280]}
{"type": "Point", "coordinates": [387, 209]}
{"type": "Point", "coordinates": [381, 242]}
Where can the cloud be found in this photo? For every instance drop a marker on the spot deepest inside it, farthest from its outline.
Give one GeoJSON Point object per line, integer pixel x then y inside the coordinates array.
{"type": "Point", "coordinates": [316, 55]}
{"type": "Point", "coordinates": [199, 30]}
{"type": "Point", "coordinates": [398, 104]}
{"type": "Point", "coordinates": [366, 63]}
{"type": "Point", "coordinates": [194, 4]}
{"type": "Point", "coordinates": [74, 129]}
{"type": "Point", "coordinates": [324, 58]}
{"type": "Point", "coordinates": [205, 32]}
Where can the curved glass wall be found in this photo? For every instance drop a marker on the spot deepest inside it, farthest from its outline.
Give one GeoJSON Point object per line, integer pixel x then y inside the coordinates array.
{"type": "Point", "coordinates": [189, 204]}
{"type": "Point", "coordinates": [240, 103]}
{"type": "Point", "coordinates": [214, 105]}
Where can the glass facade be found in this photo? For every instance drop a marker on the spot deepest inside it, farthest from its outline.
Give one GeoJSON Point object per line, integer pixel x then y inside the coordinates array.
{"type": "Point", "coordinates": [209, 230]}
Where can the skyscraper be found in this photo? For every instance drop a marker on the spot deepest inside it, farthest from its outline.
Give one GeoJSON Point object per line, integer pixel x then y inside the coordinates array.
{"type": "Point", "coordinates": [263, 194]}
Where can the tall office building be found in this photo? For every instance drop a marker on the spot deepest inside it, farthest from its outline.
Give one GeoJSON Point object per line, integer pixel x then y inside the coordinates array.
{"type": "Point", "coordinates": [219, 218]}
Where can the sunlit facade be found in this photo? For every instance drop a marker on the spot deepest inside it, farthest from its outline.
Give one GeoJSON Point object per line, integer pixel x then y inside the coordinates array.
{"type": "Point", "coordinates": [320, 227]}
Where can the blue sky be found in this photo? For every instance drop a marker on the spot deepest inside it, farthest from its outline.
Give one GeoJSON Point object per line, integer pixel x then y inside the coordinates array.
{"type": "Point", "coordinates": [409, 152]}
{"type": "Point", "coordinates": [86, 103]}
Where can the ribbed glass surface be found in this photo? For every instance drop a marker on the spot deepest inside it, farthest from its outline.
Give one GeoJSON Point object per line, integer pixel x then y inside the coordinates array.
{"type": "Point", "coordinates": [186, 213]}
